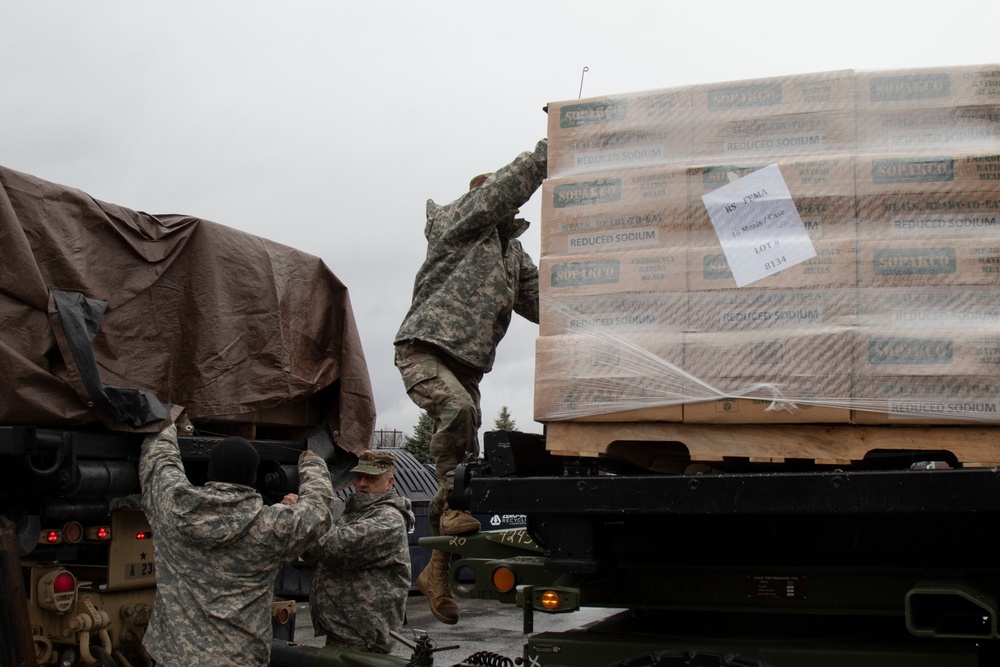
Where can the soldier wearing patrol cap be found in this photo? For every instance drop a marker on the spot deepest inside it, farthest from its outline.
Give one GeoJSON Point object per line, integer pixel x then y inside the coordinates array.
{"type": "Point", "coordinates": [372, 462]}
{"type": "Point", "coordinates": [362, 577]}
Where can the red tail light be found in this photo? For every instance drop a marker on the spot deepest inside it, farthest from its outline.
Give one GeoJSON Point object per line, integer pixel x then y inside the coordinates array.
{"type": "Point", "coordinates": [282, 616]}
{"type": "Point", "coordinates": [98, 533]}
{"type": "Point", "coordinates": [144, 535]}
{"type": "Point", "coordinates": [50, 537]}
{"type": "Point", "coordinates": [64, 583]}
{"type": "Point", "coordinates": [57, 590]}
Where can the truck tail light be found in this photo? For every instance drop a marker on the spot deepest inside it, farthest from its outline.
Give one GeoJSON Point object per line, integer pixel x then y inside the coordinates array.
{"type": "Point", "coordinates": [64, 583]}
{"type": "Point", "coordinates": [50, 536]}
{"type": "Point", "coordinates": [98, 533]}
{"type": "Point", "coordinates": [57, 590]}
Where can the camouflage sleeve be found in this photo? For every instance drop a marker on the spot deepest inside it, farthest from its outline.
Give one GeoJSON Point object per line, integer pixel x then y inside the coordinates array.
{"type": "Point", "coordinates": [297, 526]}
{"type": "Point", "coordinates": [367, 542]}
{"type": "Point", "coordinates": [526, 302]}
{"type": "Point", "coordinates": [160, 471]}
{"type": "Point", "coordinates": [495, 200]}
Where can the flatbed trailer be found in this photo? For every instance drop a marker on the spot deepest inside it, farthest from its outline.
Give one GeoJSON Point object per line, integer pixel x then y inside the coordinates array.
{"type": "Point", "coordinates": [885, 563]}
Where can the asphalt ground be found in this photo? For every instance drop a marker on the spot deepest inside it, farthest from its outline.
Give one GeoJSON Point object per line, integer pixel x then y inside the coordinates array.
{"type": "Point", "coordinates": [485, 625]}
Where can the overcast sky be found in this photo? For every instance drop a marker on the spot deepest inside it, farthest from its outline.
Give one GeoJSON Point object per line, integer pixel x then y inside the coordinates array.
{"type": "Point", "coordinates": [327, 125]}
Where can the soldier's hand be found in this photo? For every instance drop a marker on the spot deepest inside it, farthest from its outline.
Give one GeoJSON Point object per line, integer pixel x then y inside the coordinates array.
{"type": "Point", "coordinates": [306, 453]}
{"type": "Point", "coordinates": [290, 499]}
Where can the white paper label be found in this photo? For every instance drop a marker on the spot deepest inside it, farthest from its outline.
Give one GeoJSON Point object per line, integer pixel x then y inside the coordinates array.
{"type": "Point", "coordinates": [758, 225]}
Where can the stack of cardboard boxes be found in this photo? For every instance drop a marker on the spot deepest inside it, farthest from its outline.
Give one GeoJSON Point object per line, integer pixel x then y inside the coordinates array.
{"type": "Point", "coordinates": [895, 176]}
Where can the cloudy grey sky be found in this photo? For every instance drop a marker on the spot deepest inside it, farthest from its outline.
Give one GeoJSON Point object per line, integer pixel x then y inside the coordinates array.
{"type": "Point", "coordinates": [327, 125]}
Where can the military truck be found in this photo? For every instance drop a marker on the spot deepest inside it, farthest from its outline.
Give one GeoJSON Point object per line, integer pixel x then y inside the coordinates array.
{"type": "Point", "coordinates": [116, 323]}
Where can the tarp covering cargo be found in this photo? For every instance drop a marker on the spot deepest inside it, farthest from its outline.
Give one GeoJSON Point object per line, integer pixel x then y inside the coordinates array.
{"type": "Point", "coordinates": [114, 316]}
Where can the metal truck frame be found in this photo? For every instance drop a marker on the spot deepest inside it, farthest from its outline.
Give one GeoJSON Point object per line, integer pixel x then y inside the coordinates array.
{"type": "Point", "coordinates": [888, 563]}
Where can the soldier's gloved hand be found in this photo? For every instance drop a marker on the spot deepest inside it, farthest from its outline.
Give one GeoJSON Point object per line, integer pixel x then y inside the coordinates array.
{"type": "Point", "coordinates": [542, 148]}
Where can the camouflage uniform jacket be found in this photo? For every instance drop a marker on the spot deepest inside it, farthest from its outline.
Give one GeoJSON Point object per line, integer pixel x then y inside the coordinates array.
{"type": "Point", "coordinates": [218, 549]}
{"type": "Point", "coordinates": [476, 272]}
{"type": "Point", "coordinates": [362, 577]}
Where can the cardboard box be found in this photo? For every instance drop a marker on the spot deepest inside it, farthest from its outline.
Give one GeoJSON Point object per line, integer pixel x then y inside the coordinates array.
{"type": "Point", "coordinates": [927, 173]}
{"type": "Point", "coordinates": [619, 132]}
{"type": "Point", "coordinates": [790, 364]}
{"type": "Point", "coordinates": [769, 376]}
{"type": "Point", "coordinates": [615, 211]}
{"type": "Point", "coordinates": [657, 270]}
{"type": "Point", "coordinates": [801, 114]}
{"type": "Point", "coordinates": [621, 313]}
{"type": "Point", "coordinates": [920, 263]}
{"type": "Point", "coordinates": [833, 267]}
{"type": "Point", "coordinates": [824, 219]}
{"type": "Point", "coordinates": [926, 88]}
{"type": "Point", "coordinates": [927, 376]}
{"type": "Point", "coordinates": [817, 175]}
{"type": "Point", "coordinates": [746, 309]}
{"type": "Point", "coordinates": [947, 215]}
{"type": "Point", "coordinates": [603, 377]}
{"type": "Point", "coordinates": [793, 134]}
{"type": "Point", "coordinates": [949, 308]}
{"type": "Point", "coordinates": [947, 129]}
{"type": "Point", "coordinates": [822, 187]}
{"type": "Point", "coordinates": [771, 97]}
{"type": "Point", "coordinates": [903, 400]}
{"type": "Point", "coordinates": [941, 109]}
{"type": "Point", "coordinates": [905, 352]}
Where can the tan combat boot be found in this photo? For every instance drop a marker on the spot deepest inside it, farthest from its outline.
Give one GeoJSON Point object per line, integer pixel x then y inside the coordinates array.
{"type": "Point", "coordinates": [433, 583]}
{"type": "Point", "coordinates": [454, 522]}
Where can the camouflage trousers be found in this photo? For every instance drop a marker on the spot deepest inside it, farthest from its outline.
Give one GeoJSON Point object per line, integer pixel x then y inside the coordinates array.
{"type": "Point", "coordinates": [449, 392]}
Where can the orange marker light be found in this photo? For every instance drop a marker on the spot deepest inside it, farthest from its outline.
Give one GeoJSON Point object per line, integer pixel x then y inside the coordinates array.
{"type": "Point", "coordinates": [503, 579]}
{"type": "Point", "coordinates": [551, 600]}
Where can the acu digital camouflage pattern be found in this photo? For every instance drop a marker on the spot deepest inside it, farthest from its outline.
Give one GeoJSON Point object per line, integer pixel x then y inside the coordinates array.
{"type": "Point", "coordinates": [449, 393]}
{"type": "Point", "coordinates": [476, 272]}
{"type": "Point", "coordinates": [218, 549]}
{"type": "Point", "coordinates": [362, 577]}
{"type": "Point", "coordinates": [474, 276]}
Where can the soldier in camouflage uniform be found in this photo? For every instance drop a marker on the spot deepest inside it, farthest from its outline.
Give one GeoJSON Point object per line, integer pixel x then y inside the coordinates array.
{"type": "Point", "coordinates": [218, 549]}
{"type": "Point", "coordinates": [362, 577]}
{"type": "Point", "coordinates": [475, 274]}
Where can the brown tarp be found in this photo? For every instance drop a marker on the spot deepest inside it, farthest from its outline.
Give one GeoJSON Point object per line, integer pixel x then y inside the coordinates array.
{"type": "Point", "coordinates": [118, 317]}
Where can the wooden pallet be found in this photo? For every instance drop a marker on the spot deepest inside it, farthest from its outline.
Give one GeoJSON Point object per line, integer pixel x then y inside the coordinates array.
{"type": "Point", "coordinates": [655, 445]}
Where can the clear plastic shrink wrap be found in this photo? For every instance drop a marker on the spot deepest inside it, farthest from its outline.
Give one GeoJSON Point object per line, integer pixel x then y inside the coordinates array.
{"type": "Point", "coordinates": [893, 318]}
